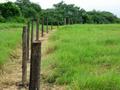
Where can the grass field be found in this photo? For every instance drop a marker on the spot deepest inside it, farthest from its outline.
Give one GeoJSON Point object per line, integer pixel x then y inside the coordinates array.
{"type": "Point", "coordinates": [84, 57]}
{"type": "Point", "coordinates": [80, 57]}
{"type": "Point", "coordinates": [10, 37]}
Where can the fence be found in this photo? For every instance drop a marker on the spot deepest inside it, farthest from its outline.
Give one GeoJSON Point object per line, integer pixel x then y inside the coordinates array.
{"type": "Point", "coordinates": [28, 39]}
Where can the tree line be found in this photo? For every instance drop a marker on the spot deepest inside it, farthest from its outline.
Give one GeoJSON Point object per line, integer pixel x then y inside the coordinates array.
{"type": "Point", "coordinates": [19, 11]}
{"type": "Point", "coordinates": [61, 13]}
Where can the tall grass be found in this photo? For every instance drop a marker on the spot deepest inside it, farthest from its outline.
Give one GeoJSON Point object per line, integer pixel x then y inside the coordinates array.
{"type": "Point", "coordinates": [84, 57]}
{"type": "Point", "coordinates": [10, 36]}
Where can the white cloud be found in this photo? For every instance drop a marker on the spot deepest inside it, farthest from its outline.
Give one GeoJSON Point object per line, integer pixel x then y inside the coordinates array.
{"type": "Point", "coordinates": [102, 5]}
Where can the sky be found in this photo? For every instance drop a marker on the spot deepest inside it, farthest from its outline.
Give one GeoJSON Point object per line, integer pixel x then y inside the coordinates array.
{"type": "Point", "coordinates": [101, 5]}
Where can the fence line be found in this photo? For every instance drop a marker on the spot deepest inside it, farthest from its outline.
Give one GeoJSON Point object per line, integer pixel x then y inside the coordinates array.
{"type": "Point", "coordinates": [35, 56]}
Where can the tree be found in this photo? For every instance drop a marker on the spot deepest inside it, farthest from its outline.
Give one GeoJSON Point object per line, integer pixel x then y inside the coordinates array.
{"type": "Point", "coordinates": [9, 9]}
{"type": "Point", "coordinates": [28, 9]}
{"type": "Point", "coordinates": [99, 17]}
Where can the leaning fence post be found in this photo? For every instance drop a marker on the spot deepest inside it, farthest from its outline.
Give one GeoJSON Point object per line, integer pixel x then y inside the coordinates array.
{"type": "Point", "coordinates": [28, 38]}
{"type": "Point", "coordinates": [37, 29]}
{"type": "Point", "coordinates": [32, 32]}
{"type": "Point", "coordinates": [42, 33]}
{"type": "Point", "coordinates": [35, 66]}
{"type": "Point", "coordinates": [24, 56]}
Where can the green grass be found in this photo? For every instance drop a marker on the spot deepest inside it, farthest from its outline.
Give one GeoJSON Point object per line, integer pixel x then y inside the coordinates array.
{"type": "Point", "coordinates": [84, 57]}
{"type": "Point", "coordinates": [10, 37]}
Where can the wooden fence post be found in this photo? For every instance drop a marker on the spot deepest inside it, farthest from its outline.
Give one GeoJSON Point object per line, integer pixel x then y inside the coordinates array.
{"type": "Point", "coordinates": [28, 38]}
{"type": "Point", "coordinates": [35, 66]}
{"type": "Point", "coordinates": [24, 56]}
{"type": "Point", "coordinates": [47, 25]}
{"type": "Point", "coordinates": [32, 32]}
{"type": "Point", "coordinates": [42, 33]}
{"type": "Point", "coordinates": [37, 29]}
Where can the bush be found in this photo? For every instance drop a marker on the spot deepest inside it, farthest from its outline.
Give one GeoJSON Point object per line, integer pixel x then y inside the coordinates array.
{"type": "Point", "coordinates": [118, 20]}
{"type": "Point", "coordinates": [16, 19]}
{"type": "Point", "coordinates": [19, 19]}
{"type": "Point", "coordinates": [2, 19]}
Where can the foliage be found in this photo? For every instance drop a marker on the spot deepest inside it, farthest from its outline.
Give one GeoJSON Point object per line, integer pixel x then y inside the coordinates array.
{"type": "Point", "coordinates": [28, 9]}
{"type": "Point", "coordinates": [61, 13]}
{"type": "Point", "coordinates": [9, 9]}
{"type": "Point", "coordinates": [21, 9]}
{"type": "Point", "coordinates": [2, 19]}
{"type": "Point", "coordinates": [73, 14]}
{"type": "Point", "coordinates": [101, 17]}
{"type": "Point", "coordinates": [16, 19]}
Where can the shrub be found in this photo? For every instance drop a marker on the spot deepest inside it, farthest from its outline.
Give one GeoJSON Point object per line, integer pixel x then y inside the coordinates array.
{"type": "Point", "coordinates": [16, 19]}
{"type": "Point", "coordinates": [2, 19]}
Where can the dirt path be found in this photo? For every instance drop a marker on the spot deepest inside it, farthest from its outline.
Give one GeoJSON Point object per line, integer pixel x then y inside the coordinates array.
{"type": "Point", "coordinates": [10, 77]}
